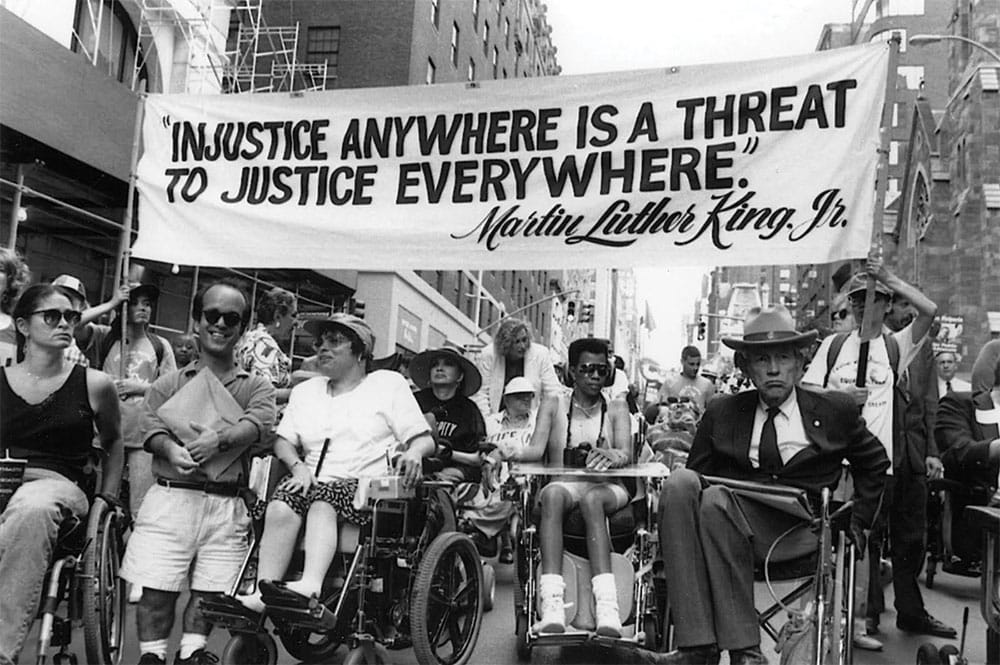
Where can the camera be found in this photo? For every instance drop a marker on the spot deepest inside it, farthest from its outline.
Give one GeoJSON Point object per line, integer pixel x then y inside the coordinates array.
{"type": "Point", "coordinates": [576, 457]}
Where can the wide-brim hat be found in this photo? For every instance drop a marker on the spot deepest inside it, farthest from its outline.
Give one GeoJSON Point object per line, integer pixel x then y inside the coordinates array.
{"type": "Point", "coordinates": [354, 324]}
{"type": "Point", "coordinates": [420, 369]}
{"type": "Point", "coordinates": [859, 282]}
{"type": "Point", "coordinates": [769, 326]}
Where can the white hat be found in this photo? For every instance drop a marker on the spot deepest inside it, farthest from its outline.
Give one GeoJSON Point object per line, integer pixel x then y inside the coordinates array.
{"type": "Point", "coordinates": [518, 384]}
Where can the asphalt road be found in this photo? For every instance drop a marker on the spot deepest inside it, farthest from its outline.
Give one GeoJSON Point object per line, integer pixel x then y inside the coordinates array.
{"type": "Point", "coordinates": [496, 641]}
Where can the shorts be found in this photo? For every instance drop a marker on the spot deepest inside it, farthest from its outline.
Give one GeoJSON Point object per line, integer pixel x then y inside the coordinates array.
{"type": "Point", "coordinates": [337, 493]}
{"type": "Point", "coordinates": [185, 534]}
{"type": "Point", "coordinates": [577, 488]}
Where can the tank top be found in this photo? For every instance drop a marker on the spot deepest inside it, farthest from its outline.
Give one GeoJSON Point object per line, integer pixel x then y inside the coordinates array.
{"type": "Point", "coordinates": [56, 434]}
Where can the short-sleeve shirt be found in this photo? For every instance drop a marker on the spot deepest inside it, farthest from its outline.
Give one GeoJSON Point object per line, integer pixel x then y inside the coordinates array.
{"type": "Point", "coordinates": [259, 352]}
{"type": "Point", "coordinates": [365, 426]}
{"type": "Point", "coordinates": [877, 411]}
{"type": "Point", "coordinates": [506, 436]}
{"type": "Point", "coordinates": [140, 364]}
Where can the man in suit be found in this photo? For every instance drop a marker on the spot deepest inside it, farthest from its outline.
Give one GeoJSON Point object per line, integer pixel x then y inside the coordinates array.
{"type": "Point", "coordinates": [780, 434]}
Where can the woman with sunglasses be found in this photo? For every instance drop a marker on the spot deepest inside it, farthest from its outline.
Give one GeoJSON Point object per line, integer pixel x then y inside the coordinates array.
{"type": "Point", "coordinates": [51, 408]}
{"type": "Point", "coordinates": [260, 349]}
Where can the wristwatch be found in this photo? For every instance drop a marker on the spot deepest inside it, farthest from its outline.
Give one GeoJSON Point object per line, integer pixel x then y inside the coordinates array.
{"type": "Point", "coordinates": [224, 445]}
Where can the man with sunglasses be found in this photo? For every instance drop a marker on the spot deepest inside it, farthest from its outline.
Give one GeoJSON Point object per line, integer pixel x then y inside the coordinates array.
{"type": "Point", "coordinates": [192, 527]}
{"type": "Point", "coordinates": [893, 412]}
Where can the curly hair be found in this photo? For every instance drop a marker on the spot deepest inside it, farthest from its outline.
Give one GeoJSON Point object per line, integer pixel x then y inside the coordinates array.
{"type": "Point", "coordinates": [273, 304]}
{"type": "Point", "coordinates": [18, 276]}
{"type": "Point", "coordinates": [508, 331]}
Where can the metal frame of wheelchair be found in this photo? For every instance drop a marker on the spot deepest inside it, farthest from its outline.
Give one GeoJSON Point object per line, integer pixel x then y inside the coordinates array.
{"type": "Point", "coordinates": [83, 581]}
{"type": "Point", "coordinates": [405, 583]}
{"type": "Point", "coordinates": [942, 495]}
{"type": "Point", "coordinates": [644, 612]}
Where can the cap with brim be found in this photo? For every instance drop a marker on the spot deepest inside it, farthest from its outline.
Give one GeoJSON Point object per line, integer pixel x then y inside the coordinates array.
{"type": "Point", "coordinates": [420, 369]}
{"type": "Point", "coordinates": [770, 326]}
{"type": "Point", "coordinates": [148, 290]}
{"type": "Point", "coordinates": [518, 385]}
{"type": "Point", "coordinates": [71, 286]}
{"type": "Point", "coordinates": [354, 324]}
{"type": "Point", "coordinates": [859, 282]}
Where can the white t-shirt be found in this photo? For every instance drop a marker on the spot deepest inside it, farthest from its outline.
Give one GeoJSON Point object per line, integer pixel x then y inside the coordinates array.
{"type": "Point", "coordinates": [877, 411]}
{"type": "Point", "coordinates": [365, 425]}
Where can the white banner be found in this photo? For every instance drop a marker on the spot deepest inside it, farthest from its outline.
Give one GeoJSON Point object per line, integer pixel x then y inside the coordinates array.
{"type": "Point", "coordinates": [767, 162]}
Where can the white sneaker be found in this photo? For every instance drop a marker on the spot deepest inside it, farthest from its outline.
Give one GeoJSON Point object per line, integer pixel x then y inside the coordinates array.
{"type": "Point", "coordinates": [609, 624]}
{"type": "Point", "coordinates": [552, 613]}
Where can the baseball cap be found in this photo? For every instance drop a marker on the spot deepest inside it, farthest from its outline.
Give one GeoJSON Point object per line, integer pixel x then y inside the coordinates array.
{"type": "Point", "coordinates": [357, 325]}
{"type": "Point", "coordinates": [518, 384]}
{"type": "Point", "coordinates": [71, 286]}
{"type": "Point", "coordinates": [859, 282]}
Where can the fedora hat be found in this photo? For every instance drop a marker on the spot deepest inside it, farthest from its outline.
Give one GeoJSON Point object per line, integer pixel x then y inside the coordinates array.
{"type": "Point", "coordinates": [769, 326]}
{"type": "Point", "coordinates": [420, 369]}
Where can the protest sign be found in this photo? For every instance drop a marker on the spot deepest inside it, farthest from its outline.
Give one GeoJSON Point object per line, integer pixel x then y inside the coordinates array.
{"type": "Point", "coordinates": [770, 161]}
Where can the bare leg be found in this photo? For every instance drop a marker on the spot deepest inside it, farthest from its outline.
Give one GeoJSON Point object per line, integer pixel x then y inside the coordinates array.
{"type": "Point", "coordinates": [194, 620]}
{"type": "Point", "coordinates": [321, 546]}
{"type": "Point", "coordinates": [556, 501]}
{"type": "Point", "coordinates": [154, 616]}
{"type": "Point", "coordinates": [595, 506]}
{"type": "Point", "coordinates": [281, 529]}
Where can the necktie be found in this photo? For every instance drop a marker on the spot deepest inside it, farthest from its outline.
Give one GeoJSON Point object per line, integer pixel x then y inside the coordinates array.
{"type": "Point", "coordinates": [770, 458]}
{"type": "Point", "coordinates": [947, 386]}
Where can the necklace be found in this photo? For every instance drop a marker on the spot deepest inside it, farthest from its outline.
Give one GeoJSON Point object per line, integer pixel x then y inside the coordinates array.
{"type": "Point", "coordinates": [589, 410]}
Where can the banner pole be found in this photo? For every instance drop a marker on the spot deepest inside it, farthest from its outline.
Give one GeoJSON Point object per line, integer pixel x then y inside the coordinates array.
{"type": "Point", "coordinates": [869, 328]}
{"type": "Point", "coordinates": [125, 240]}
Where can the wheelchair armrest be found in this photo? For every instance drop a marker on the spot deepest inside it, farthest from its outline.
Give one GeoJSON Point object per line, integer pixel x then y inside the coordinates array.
{"type": "Point", "coordinates": [984, 517]}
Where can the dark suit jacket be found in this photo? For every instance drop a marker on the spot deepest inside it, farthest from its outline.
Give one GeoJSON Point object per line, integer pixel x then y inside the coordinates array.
{"type": "Point", "coordinates": [835, 431]}
{"type": "Point", "coordinates": [920, 386]}
{"type": "Point", "coordinates": [965, 443]}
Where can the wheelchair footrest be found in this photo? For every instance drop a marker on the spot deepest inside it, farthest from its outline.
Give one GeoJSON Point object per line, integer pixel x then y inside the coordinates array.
{"type": "Point", "coordinates": [287, 608]}
{"type": "Point", "coordinates": [225, 611]}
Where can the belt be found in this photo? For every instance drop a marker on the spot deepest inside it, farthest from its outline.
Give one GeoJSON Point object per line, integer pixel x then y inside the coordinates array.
{"type": "Point", "coordinates": [222, 489]}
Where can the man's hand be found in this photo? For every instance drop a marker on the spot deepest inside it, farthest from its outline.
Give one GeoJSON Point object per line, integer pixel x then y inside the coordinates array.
{"type": "Point", "coordinates": [409, 465]}
{"type": "Point", "coordinates": [858, 394]}
{"type": "Point", "coordinates": [180, 458]}
{"type": "Point", "coordinates": [301, 479]}
{"type": "Point", "coordinates": [206, 445]}
{"type": "Point", "coordinates": [857, 535]}
{"type": "Point", "coordinates": [935, 469]}
{"type": "Point", "coordinates": [128, 387]}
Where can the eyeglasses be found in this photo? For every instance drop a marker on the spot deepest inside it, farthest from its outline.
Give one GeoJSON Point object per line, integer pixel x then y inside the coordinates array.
{"type": "Point", "coordinates": [230, 319]}
{"type": "Point", "coordinates": [600, 369]}
{"type": "Point", "coordinates": [52, 317]}
{"type": "Point", "coordinates": [332, 339]}
{"type": "Point", "coordinates": [678, 400]}
{"type": "Point", "coordinates": [841, 314]}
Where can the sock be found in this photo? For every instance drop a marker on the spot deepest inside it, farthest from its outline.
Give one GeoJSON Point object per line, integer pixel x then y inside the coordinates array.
{"type": "Point", "coordinates": [549, 580]}
{"type": "Point", "coordinates": [604, 587]}
{"type": "Point", "coordinates": [191, 642]}
{"type": "Point", "coordinates": [155, 647]}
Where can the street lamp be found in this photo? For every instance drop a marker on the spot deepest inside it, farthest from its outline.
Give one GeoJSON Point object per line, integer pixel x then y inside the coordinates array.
{"type": "Point", "coordinates": [918, 40]}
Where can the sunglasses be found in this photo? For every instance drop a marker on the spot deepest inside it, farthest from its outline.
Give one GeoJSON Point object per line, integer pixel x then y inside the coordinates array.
{"type": "Point", "coordinates": [52, 317]}
{"type": "Point", "coordinates": [230, 319]}
{"type": "Point", "coordinates": [841, 314]}
{"type": "Point", "coordinates": [332, 340]}
{"type": "Point", "coordinates": [678, 400]}
{"type": "Point", "coordinates": [601, 369]}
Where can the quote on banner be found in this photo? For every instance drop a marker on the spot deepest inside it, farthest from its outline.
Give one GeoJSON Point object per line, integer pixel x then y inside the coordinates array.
{"type": "Point", "coordinates": [769, 161]}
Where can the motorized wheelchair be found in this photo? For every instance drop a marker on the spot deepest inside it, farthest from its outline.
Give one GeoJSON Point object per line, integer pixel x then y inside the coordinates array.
{"type": "Point", "coordinates": [83, 589]}
{"type": "Point", "coordinates": [634, 545]}
{"type": "Point", "coordinates": [408, 578]}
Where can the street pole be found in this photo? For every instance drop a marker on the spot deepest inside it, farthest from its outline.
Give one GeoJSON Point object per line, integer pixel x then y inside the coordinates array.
{"type": "Point", "coordinates": [919, 40]}
{"type": "Point", "coordinates": [528, 306]}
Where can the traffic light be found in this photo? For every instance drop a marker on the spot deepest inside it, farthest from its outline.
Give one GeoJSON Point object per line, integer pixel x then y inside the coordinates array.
{"type": "Point", "coordinates": [357, 308]}
{"type": "Point", "coordinates": [586, 313]}
{"type": "Point", "coordinates": [571, 310]}
{"type": "Point", "coordinates": [701, 329]}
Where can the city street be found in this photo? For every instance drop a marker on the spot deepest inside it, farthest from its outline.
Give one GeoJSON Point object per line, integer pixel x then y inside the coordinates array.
{"type": "Point", "coordinates": [496, 639]}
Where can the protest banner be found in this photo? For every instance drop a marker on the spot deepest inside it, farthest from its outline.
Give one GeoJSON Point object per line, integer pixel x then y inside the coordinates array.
{"type": "Point", "coordinates": [771, 161]}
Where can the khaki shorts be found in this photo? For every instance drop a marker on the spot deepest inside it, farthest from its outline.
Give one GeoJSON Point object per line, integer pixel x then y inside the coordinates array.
{"type": "Point", "coordinates": [186, 534]}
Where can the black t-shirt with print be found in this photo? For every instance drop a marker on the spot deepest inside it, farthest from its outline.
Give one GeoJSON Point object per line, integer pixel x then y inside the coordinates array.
{"type": "Point", "coordinates": [459, 421]}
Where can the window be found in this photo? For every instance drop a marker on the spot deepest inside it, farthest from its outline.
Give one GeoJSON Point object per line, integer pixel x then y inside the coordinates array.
{"type": "Point", "coordinates": [323, 45]}
{"type": "Point", "coordinates": [895, 114]}
{"type": "Point", "coordinates": [431, 72]}
{"type": "Point", "coordinates": [784, 273]}
{"type": "Point", "coordinates": [914, 75]}
{"type": "Point", "coordinates": [892, 191]}
{"type": "Point", "coordinates": [496, 58]}
{"type": "Point", "coordinates": [475, 12]}
{"type": "Point", "coordinates": [899, 8]}
{"type": "Point", "coordinates": [472, 70]}
{"type": "Point", "coordinates": [505, 72]}
{"type": "Point", "coordinates": [894, 152]}
{"type": "Point", "coordinates": [109, 31]}
{"type": "Point", "coordinates": [435, 12]}
{"type": "Point", "coordinates": [454, 44]}
{"type": "Point", "coordinates": [486, 37]}
{"type": "Point", "coordinates": [506, 32]}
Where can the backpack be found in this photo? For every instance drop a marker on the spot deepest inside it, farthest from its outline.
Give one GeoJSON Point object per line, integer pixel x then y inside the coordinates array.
{"type": "Point", "coordinates": [891, 348]}
{"type": "Point", "coordinates": [109, 341]}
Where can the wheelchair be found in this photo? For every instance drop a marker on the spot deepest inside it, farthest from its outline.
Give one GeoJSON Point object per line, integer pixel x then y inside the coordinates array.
{"type": "Point", "coordinates": [82, 587]}
{"type": "Point", "coordinates": [634, 545]}
{"type": "Point", "coordinates": [407, 578]}
{"type": "Point", "coordinates": [950, 542]}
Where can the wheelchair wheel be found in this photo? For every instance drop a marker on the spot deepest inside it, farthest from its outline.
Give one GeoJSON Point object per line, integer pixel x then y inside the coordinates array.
{"type": "Point", "coordinates": [927, 654]}
{"type": "Point", "coordinates": [250, 649]}
{"type": "Point", "coordinates": [948, 654]}
{"type": "Point", "coordinates": [521, 632]}
{"type": "Point", "coordinates": [651, 629]}
{"type": "Point", "coordinates": [309, 647]}
{"type": "Point", "coordinates": [103, 590]}
{"type": "Point", "coordinates": [489, 586]}
{"type": "Point", "coordinates": [446, 604]}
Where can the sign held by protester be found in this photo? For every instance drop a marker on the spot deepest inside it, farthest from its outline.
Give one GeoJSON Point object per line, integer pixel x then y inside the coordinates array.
{"type": "Point", "coordinates": [728, 164]}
